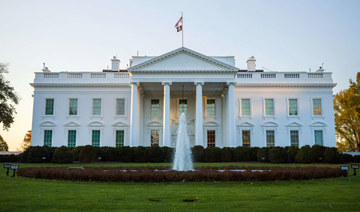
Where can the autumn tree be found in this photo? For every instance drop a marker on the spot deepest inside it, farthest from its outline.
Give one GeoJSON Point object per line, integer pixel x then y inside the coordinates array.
{"type": "Point", "coordinates": [8, 99]}
{"type": "Point", "coordinates": [347, 117]}
{"type": "Point", "coordinates": [27, 141]}
{"type": "Point", "coordinates": [3, 145]}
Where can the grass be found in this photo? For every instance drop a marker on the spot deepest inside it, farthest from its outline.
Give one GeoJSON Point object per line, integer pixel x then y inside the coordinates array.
{"type": "Point", "coordinates": [336, 194]}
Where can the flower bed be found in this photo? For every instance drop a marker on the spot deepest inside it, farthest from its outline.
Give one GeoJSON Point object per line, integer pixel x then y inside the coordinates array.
{"type": "Point", "coordinates": [164, 174]}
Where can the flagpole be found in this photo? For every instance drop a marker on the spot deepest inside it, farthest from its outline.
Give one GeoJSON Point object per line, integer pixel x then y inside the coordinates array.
{"type": "Point", "coordinates": [182, 31]}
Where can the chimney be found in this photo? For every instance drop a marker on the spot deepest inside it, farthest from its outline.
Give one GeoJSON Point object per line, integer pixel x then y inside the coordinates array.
{"type": "Point", "coordinates": [45, 69]}
{"type": "Point", "coordinates": [251, 66]}
{"type": "Point", "coordinates": [115, 64]}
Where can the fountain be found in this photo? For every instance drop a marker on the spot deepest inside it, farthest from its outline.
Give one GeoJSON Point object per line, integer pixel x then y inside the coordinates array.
{"type": "Point", "coordinates": [182, 159]}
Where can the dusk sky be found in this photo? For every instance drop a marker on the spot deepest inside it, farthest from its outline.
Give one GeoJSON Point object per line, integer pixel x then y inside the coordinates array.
{"type": "Point", "coordinates": [84, 35]}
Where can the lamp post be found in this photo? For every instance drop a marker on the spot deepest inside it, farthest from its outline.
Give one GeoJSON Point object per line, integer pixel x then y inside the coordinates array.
{"type": "Point", "coordinates": [354, 166]}
{"type": "Point", "coordinates": [345, 169]}
{"type": "Point", "coordinates": [7, 166]}
{"type": "Point", "coordinates": [14, 167]}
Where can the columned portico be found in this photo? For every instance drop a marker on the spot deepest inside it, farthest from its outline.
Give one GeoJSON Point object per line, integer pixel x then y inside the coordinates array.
{"type": "Point", "coordinates": [134, 125]}
{"type": "Point", "coordinates": [166, 115]}
{"type": "Point", "coordinates": [199, 115]}
{"type": "Point", "coordinates": [230, 113]}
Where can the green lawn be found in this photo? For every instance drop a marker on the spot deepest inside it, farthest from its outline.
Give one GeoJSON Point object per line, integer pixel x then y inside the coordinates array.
{"type": "Point", "coordinates": [21, 194]}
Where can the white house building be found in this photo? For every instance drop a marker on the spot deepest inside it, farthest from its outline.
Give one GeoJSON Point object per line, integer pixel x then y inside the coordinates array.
{"type": "Point", "coordinates": [224, 106]}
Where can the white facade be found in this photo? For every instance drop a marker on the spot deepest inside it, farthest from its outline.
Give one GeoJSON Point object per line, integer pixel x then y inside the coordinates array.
{"type": "Point", "coordinates": [224, 106]}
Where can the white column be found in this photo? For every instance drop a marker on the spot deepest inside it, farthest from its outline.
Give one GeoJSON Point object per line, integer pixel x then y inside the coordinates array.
{"type": "Point", "coordinates": [134, 125]}
{"type": "Point", "coordinates": [199, 115]}
{"type": "Point", "coordinates": [230, 111]}
{"type": "Point", "coordinates": [166, 115]}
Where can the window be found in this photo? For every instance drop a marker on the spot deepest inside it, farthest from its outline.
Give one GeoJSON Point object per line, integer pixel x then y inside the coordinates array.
{"type": "Point", "coordinates": [154, 137]}
{"type": "Point", "coordinates": [96, 107]}
{"type": "Point", "coordinates": [318, 137]}
{"type": "Point", "coordinates": [119, 138]}
{"type": "Point", "coordinates": [245, 107]}
{"type": "Point", "coordinates": [317, 107]}
{"type": "Point", "coordinates": [155, 107]}
{"type": "Point", "coordinates": [49, 107]}
{"type": "Point", "coordinates": [294, 138]}
{"type": "Point", "coordinates": [73, 106]}
{"type": "Point", "coordinates": [269, 107]}
{"type": "Point", "coordinates": [210, 107]}
{"type": "Point", "coordinates": [95, 138]}
{"type": "Point", "coordinates": [246, 138]}
{"type": "Point", "coordinates": [47, 138]}
{"type": "Point", "coordinates": [270, 138]}
{"type": "Point", "coordinates": [120, 107]}
{"type": "Point", "coordinates": [182, 106]}
{"type": "Point", "coordinates": [211, 138]}
{"type": "Point", "coordinates": [71, 138]}
{"type": "Point", "coordinates": [293, 108]}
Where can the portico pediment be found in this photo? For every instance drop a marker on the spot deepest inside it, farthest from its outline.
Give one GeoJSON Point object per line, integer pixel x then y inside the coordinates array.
{"type": "Point", "coordinates": [95, 124]}
{"type": "Point", "coordinates": [47, 124]}
{"type": "Point", "coordinates": [246, 124]}
{"type": "Point", "coordinates": [72, 124]}
{"type": "Point", "coordinates": [182, 60]}
{"type": "Point", "coordinates": [120, 124]}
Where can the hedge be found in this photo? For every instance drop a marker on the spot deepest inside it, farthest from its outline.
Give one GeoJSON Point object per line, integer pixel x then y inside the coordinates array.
{"type": "Point", "coordinates": [86, 154]}
{"type": "Point", "coordinates": [164, 174]}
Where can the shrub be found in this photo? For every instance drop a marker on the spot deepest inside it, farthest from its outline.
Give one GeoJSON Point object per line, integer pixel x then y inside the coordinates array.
{"type": "Point", "coordinates": [253, 153]}
{"type": "Point", "coordinates": [278, 155]}
{"type": "Point", "coordinates": [305, 155]}
{"type": "Point", "coordinates": [197, 152]}
{"type": "Point", "coordinates": [331, 155]}
{"type": "Point", "coordinates": [242, 154]}
{"type": "Point", "coordinates": [168, 154]}
{"type": "Point", "coordinates": [108, 153]}
{"type": "Point", "coordinates": [63, 154]}
{"type": "Point", "coordinates": [156, 155]}
{"type": "Point", "coordinates": [88, 154]}
{"type": "Point", "coordinates": [227, 154]}
{"type": "Point", "coordinates": [345, 158]}
{"type": "Point", "coordinates": [318, 153]}
{"type": "Point", "coordinates": [141, 154]}
{"type": "Point", "coordinates": [8, 158]}
{"type": "Point", "coordinates": [356, 159]}
{"type": "Point", "coordinates": [76, 153]}
{"type": "Point", "coordinates": [209, 174]}
{"type": "Point", "coordinates": [126, 154]}
{"type": "Point", "coordinates": [212, 154]}
{"type": "Point", "coordinates": [293, 150]}
{"type": "Point", "coordinates": [263, 154]}
{"type": "Point", "coordinates": [37, 154]}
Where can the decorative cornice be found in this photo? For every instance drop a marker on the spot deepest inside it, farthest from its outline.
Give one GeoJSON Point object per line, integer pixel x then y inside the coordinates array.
{"type": "Point", "coordinates": [179, 51]}
{"type": "Point", "coordinates": [136, 83]}
{"type": "Point", "coordinates": [79, 85]}
{"type": "Point", "coordinates": [166, 83]}
{"type": "Point", "coordinates": [296, 85]}
{"type": "Point", "coordinates": [231, 83]}
{"type": "Point", "coordinates": [199, 83]}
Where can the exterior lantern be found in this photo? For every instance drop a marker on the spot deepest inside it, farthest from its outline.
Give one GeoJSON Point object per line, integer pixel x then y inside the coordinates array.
{"type": "Point", "coordinates": [14, 167]}
{"type": "Point", "coordinates": [345, 169]}
{"type": "Point", "coordinates": [7, 166]}
{"type": "Point", "coordinates": [354, 166]}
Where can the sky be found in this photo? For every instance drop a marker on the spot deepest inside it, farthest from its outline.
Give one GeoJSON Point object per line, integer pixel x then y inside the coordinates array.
{"type": "Point", "coordinates": [83, 35]}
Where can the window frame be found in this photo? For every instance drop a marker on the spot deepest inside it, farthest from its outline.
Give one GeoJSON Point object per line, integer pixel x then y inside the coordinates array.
{"type": "Point", "coordinates": [242, 138]}
{"type": "Point", "coordinates": [77, 107]}
{"type": "Point", "coordinates": [289, 107]}
{"type": "Point", "coordinates": [53, 106]}
{"type": "Point", "coordinates": [298, 138]}
{"type": "Point", "coordinates": [273, 107]}
{"type": "Point", "coordinates": [241, 107]}
{"type": "Point", "coordinates": [207, 113]}
{"type": "Point", "coordinates": [185, 104]}
{"type": "Point", "coordinates": [151, 108]}
{"type": "Point", "coordinates": [116, 106]}
{"type": "Point", "coordinates": [45, 137]}
{"type": "Point", "coordinates": [92, 137]}
{"type": "Point", "coordinates": [312, 107]}
{"type": "Point", "coordinates": [213, 144]}
{"type": "Point", "coordinates": [322, 137]}
{"type": "Point", "coordinates": [266, 137]}
{"type": "Point", "coordinates": [92, 104]}
{"type": "Point", "coordinates": [118, 143]}
{"type": "Point", "coordinates": [152, 144]}
{"type": "Point", "coordinates": [74, 138]}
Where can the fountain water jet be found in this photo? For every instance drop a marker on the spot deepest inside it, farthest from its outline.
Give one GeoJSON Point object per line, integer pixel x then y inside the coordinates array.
{"type": "Point", "coordinates": [182, 159]}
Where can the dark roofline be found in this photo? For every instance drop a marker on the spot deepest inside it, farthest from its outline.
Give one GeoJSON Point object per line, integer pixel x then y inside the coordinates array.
{"type": "Point", "coordinates": [109, 70]}
{"type": "Point", "coordinates": [258, 70]}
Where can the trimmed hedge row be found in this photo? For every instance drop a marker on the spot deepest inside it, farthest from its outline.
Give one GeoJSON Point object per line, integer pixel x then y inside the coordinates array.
{"type": "Point", "coordinates": [86, 154]}
{"type": "Point", "coordinates": [156, 174]}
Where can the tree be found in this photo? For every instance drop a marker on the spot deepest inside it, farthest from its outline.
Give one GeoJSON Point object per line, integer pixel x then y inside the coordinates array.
{"type": "Point", "coordinates": [3, 145]}
{"type": "Point", "coordinates": [27, 141]}
{"type": "Point", "coordinates": [347, 117]}
{"type": "Point", "coordinates": [8, 98]}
